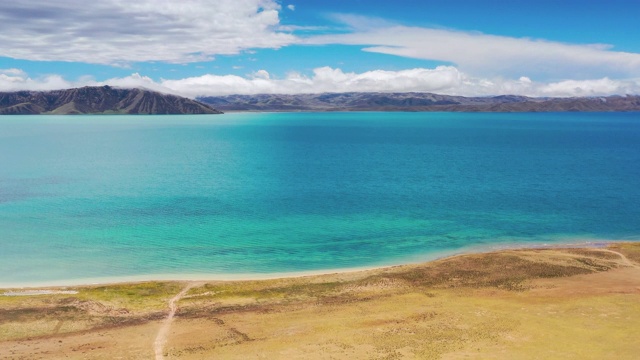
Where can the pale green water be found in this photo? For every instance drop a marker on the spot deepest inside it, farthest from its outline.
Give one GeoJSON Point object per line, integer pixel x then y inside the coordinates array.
{"type": "Point", "coordinates": [109, 197]}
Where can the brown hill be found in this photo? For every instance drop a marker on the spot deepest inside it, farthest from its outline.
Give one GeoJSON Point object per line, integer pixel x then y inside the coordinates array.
{"type": "Point", "coordinates": [418, 102]}
{"type": "Point", "coordinates": [99, 100]}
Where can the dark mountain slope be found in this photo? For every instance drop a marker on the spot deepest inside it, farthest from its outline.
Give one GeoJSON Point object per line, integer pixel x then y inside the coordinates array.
{"type": "Point", "coordinates": [99, 100]}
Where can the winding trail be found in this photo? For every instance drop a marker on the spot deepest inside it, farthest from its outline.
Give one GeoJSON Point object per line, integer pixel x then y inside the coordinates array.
{"type": "Point", "coordinates": [161, 338]}
{"type": "Point", "coordinates": [623, 257]}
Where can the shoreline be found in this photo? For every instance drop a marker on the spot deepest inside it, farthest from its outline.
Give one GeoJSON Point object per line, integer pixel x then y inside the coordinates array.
{"type": "Point", "coordinates": [64, 284]}
{"type": "Point", "coordinates": [549, 299]}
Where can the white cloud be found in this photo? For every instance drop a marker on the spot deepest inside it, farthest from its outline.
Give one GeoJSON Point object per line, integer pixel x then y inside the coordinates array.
{"type": "Point", "coordinates": [117, 32]}
{"type": "Point", "coordinates": [12, 72]}
{"type": "Point", "coordinates": [262, 74]}
{"type": "Point", "coordinates": [487, 55]}
{"type": "Point", "coordinates": [446, 80]}
{"type": "Point", "coordinates": [596, 87]}
{"type": "Point", "coordinates": [120, 32]}
{"type": "Point", "coordinates": [525, 79]}
{"type": "Point", "coordinates": [16, 79]}
{"type": "Point", "coordinates": [324, 79]}
{"type": "Point", "coordinates": [133, 81]}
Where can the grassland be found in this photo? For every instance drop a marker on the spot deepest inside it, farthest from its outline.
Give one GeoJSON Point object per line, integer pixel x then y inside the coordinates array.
{"type": "Point", "coordinates": [513, 304]}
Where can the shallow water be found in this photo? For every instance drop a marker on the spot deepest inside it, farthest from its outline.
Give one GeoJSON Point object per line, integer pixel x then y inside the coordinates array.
{"type": "Point", "coordinates": [114, 196]}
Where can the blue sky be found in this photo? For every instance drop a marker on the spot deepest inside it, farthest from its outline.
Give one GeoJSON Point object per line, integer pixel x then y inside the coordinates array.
{"type": "Point", "coordinates": [200, 47]}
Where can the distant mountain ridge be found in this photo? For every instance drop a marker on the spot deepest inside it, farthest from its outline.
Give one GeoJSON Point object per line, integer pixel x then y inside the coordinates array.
{"type": "Point", "coordinates": [98, 100]}
{"type": "Point", "coordinates": [110, 100]}
{"type": "Point", "coordinates": [413, 101]}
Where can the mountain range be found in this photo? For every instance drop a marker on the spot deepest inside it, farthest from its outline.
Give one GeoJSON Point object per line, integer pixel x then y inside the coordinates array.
{"type": "Point", "coordinates": [99, 100]}
{"type": "Point", "coordinates": [418, 102]}
{"type": "Point", "coordinates": [110, 100]}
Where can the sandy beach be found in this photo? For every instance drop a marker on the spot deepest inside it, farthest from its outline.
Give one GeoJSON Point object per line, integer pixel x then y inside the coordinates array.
{"type": "Point", "coordinates": [515, 303]}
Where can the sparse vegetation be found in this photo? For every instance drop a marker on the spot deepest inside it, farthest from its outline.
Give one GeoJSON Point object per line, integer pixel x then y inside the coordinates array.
{"type": "Point", "coordinates": [629, 249]}
{"type": "Point", "coordinates": [503, 304]}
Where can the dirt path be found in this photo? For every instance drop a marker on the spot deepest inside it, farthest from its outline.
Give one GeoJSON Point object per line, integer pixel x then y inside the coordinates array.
{"type": "Point", "coordinates": [161, 338]}
{"type": "Point", "coordinates": [624, 259]}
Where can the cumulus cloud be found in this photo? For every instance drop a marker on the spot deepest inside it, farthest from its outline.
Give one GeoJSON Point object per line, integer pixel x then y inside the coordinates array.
{"type": "Point", "coordinates": [12, 72]}
{"type": "Point", "coordinates": [447, 80]}
{"type": "Point", "coordinates": [119, 31]}
{"type": "Point", "coordinates": [16, 79]}
{"type": "Point", "coordinates": [324, 79]}
{"type": "Point", "coordinates": [596, 87]}
{"type": "Point", "coordinates": [487, 55]}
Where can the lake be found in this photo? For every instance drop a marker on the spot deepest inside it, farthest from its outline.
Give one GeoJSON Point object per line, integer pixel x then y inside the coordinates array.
{"type": "Point", "coordinates": [97, 198]}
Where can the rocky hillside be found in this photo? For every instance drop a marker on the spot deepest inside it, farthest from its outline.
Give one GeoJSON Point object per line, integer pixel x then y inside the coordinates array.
{"type": "Point", "coordinates": [418, 102]}
{"type": "Point", "coordinates": [99, 100]}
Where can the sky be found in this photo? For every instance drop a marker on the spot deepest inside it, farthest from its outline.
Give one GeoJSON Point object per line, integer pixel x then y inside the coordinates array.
{"type": "Point", "coordinates": [550, 48]}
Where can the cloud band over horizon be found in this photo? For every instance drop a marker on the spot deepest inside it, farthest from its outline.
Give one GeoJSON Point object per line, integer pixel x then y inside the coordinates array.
{"type": "Point", "coordinates": [446, 80]}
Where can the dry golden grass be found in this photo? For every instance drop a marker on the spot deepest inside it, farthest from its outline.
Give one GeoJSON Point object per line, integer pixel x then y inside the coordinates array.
{"type": "Point", "coordinates": [542, 303]}
{"type": "Point", "coordinates": [630, 249]}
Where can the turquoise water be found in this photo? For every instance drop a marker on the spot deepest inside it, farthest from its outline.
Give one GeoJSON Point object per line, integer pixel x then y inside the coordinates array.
{"type": "Point", "coordinates": [88, 197]}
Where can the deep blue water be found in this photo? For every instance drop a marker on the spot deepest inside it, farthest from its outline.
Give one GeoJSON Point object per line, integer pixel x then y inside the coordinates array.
{"type": "Point", "coordinates": [114, 196]}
